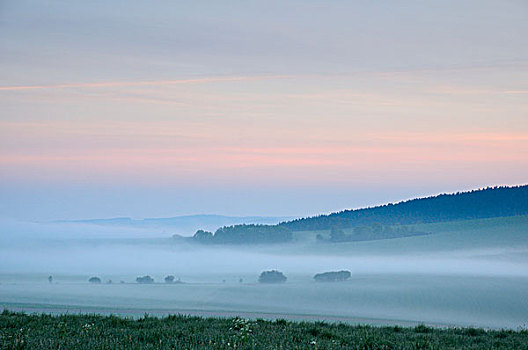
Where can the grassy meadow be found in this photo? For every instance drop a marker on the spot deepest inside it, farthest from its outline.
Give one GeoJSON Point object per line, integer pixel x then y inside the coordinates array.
{"type": "Point", "coordinates": [23, 331]}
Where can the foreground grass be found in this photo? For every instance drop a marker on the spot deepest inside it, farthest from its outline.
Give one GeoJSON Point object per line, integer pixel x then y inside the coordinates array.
{"type": "Point", "coordinates": [22, 331]}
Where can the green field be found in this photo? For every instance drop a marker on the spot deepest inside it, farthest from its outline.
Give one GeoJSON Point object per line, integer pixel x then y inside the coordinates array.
{"type": "Point", "coordinates": [22, 331]}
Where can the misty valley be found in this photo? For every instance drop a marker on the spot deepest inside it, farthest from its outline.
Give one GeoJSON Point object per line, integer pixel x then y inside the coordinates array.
{"type": "Point", "coordinates": [263, 175]}
{"type": "Point", "coordinates": [452, 272]}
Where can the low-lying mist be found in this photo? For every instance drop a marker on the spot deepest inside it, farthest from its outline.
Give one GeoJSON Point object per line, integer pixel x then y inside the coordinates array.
{"type": "Point", "coordinates": [81, 249]}
{"type": "Point", "coordinates": [403, 281]}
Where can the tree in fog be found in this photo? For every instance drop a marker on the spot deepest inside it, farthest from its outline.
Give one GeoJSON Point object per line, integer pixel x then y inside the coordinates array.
{"type": "Point", "coordinates": [203, 236]}
{"type": "Point", "coordinates": [145, 279]}
{"type": "Point", "coordinates": [95, 280]}
{"type": "Point", "coordinates": [332, 276]}
{"type": "Point", "coordinates": [337, 235]}
{"type": "Point", "coordinates": [169, 279]}
{"type": "Point", "coordinates": [272, 276]}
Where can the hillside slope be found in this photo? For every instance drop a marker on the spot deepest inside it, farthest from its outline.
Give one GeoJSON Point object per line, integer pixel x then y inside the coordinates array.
{"type": "Point", "coordinates": [477, 204]}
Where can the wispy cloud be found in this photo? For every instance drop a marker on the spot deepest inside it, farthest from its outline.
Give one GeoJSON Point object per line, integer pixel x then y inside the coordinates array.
{"type": "Point", "coordinates": [141, 83]}
{"type": "Point", "coordinates": [516, 92]}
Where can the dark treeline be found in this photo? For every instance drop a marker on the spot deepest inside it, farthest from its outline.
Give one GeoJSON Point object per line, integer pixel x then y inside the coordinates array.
{"type": "Point", "coordinates": [245, 234]}
{"type": "Point", "coordinates": [477, 204]}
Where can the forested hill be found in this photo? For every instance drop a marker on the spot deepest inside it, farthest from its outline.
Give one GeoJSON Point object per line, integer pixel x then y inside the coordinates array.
{"type": "Point", "coordinates": [484, 203]}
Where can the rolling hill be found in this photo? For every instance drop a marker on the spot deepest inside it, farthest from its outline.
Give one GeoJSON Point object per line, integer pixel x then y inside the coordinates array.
{"type": "Point", "coordinates": [477, 204]}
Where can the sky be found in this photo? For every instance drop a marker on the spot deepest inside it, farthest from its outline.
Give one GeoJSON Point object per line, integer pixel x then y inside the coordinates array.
{"type": "Point", "coordinates": [289, 108]}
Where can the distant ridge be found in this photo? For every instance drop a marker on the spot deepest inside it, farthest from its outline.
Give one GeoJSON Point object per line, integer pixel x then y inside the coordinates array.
{"type": "Point", "coordinates": [185, 225]}
{"type": "Point", "coordinates": [482, 203]}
